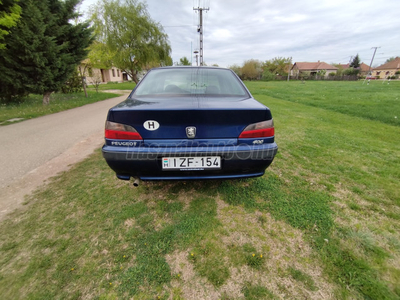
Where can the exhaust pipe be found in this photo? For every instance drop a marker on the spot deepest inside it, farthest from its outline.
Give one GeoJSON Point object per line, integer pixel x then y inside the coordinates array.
{"type": "Point", "coordinates": [136, 181]}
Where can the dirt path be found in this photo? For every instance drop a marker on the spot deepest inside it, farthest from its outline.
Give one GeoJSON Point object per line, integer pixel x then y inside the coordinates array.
{"type": "Point", "coordinates": [37, 149]}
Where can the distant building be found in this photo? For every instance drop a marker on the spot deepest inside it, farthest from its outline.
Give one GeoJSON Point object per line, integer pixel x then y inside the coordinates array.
{"type": "Point", "coordinates": [387, 69]}
{"type": "Point", "coordinates": [101, 75]}
{"type": "Point", "coordinates": [312, 68]}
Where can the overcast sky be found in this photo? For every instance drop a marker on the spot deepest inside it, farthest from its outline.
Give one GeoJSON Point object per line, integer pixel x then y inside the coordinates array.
{"type": "Point", "coordinates": [306, 30]}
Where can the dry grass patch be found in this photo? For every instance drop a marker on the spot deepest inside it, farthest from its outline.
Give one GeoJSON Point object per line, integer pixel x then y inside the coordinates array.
{"type": "Point", "coordinates": [248, 250]}
{"type": "Point", "coordinates": [282, 247]}
{"type": "Point", "coordinates": [185, 280]}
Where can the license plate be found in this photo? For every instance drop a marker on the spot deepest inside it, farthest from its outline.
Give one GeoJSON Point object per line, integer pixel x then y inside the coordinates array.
{"type": "Point", "coordinates": [191, 163]}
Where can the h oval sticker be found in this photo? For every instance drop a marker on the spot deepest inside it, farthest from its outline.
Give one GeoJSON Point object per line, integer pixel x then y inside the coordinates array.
{"type": "Point", "coordinates": [151, 125]}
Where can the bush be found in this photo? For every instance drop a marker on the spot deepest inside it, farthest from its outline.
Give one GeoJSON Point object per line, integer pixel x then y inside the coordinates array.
{"type": "Point", "coordinates": [11, 94]}
{"type": "Point", "coordinates": [268, 76]}
{"type": "Point", "coordinates": [237, 69]}
{"type": "Point", "coordinates": [351, 71]}
{"type": "Point", "coordinates": [73, 84]}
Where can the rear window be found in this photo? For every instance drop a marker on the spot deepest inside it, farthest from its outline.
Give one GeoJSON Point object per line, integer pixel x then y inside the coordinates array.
{"type": "Point", "coordinates": [191, 81]}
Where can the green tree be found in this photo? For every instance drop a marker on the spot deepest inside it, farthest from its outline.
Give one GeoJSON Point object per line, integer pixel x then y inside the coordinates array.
{"type": "Point", "coordinates": [184, 62]}
{"type": "Point", "coordinates": [135, 40]}
{"type": "Point", "coordinates": [355, 63]}
{"type": "Point", "coordinates": [98, 57]}
{"type": "Point", "coordinates": [237, 69]}
{"type": "Point", "coordinates": [268, 75]}
{"type": "Point", "coordinates": [251, 69]}
{"type": "Point", "coordinates": [278, 65]}
{"type": "Point", "coordinates": [340, 70]}
{"type": "Point", "coordinates": [10, 12]}
{"type": "Point", "coordinates": [43, 50]}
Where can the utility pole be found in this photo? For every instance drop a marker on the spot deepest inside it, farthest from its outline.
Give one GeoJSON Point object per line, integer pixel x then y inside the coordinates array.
{"type": "Point", "coordinates": [288, 72]}
{"type": "Point", "coordinates": [196, 52]}
{"type": "Point", "coordinates": [372, 60]}
{"type": "Point", "coordinates": [200, 30]}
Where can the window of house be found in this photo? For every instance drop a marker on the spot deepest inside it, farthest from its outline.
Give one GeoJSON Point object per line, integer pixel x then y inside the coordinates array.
{"type": "Point", "coordinates": [113, 72]}
{"type": "Point", "coordinates": [117, 73]}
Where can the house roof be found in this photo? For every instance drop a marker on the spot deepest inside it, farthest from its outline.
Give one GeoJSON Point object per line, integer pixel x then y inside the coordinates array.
{"type": "Point", "coordinates": [363, 67]}
{"type": "Point", "coordinates": [394, 64]}
{"type": "Point", "coordinates": [306, 66]}
{"type": "Point", "coordinates": [344, 67]}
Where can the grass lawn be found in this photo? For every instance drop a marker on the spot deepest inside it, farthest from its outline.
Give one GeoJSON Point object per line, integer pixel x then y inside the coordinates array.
{"type": "Point", "coordinates": [115, 86]}
{"type": "Point", "coordinates": [375, 101]}
{"type": "Point", "coordinates": [32, 106]}
{"type": "Point", "coordinates": [322, 223]}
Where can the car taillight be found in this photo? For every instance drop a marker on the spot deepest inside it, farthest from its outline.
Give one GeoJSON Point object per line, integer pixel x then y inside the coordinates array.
{"type": "Point", "coordinates": [259, 130]}
{"type": "Point", "coordinates": [117, 131]}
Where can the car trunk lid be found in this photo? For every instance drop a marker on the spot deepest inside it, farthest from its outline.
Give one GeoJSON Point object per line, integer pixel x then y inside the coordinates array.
{"type": "Point", "coordinates": [212, 118]}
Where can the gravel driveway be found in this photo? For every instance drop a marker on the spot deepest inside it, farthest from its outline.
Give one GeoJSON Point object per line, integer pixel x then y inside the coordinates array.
{"type": "Point", "coordinates": [35, 150]}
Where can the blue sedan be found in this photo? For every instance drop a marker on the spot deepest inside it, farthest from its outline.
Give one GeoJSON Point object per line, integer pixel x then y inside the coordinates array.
{"type": "Point", "coordinates": [183, 123]}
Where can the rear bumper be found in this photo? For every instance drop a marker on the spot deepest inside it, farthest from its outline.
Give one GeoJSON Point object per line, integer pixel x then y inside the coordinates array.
{"type": "Point", "coordinates": [145, 162]}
